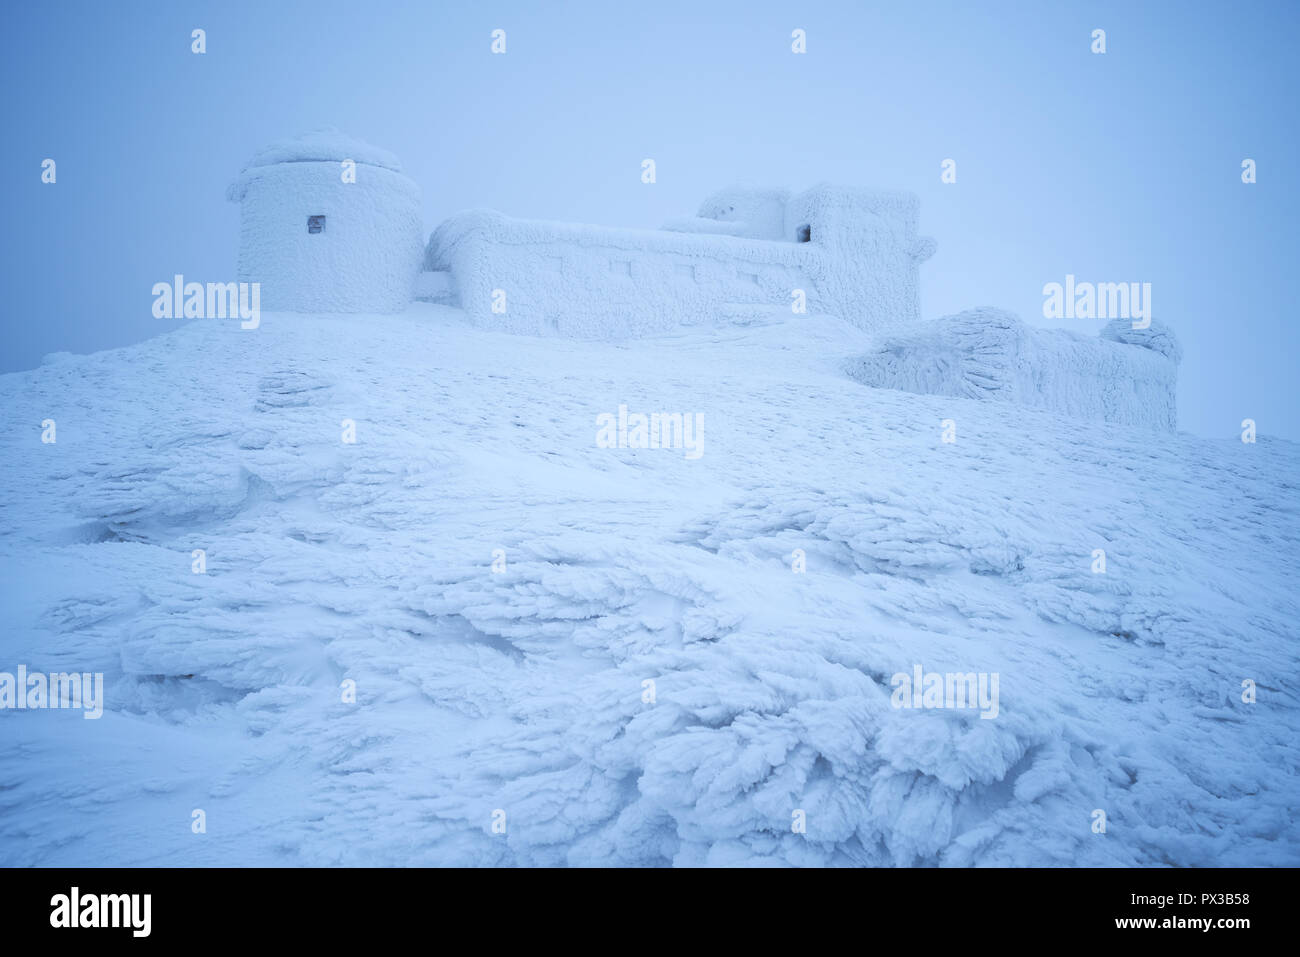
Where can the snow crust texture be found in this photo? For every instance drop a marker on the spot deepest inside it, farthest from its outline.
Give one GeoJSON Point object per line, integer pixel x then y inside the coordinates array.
{"type": "Point", "coordinates": [756, 213]}
{"type": "Point", "coordinates": [1124, 375]}
{"type": "Point", "coordinates": [524, 690]}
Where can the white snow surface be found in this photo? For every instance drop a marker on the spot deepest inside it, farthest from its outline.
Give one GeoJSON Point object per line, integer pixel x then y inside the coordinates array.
{"type": "Point", "coordinates": [1122, 375]}
{"type": "Point", "coordinates": [523, 691]}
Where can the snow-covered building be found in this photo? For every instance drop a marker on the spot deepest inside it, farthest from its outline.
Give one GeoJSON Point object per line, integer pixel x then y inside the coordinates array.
{"type": "Point", "coordinates": [1123, 375]}
{"type": "Point", "coordinates": [848, 252]}
{"type": "Point", "coordinates": [328, 224]}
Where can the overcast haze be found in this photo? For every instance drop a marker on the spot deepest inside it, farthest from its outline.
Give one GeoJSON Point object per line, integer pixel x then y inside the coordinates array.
{"type": "Point", "coordinates": [1115, 168]}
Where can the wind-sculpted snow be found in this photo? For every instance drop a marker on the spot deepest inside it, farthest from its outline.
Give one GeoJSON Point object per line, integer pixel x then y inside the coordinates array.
{"type": "Point", "coordinates": [647, 680]}
{"type": "Point", "coordinates": [737, 211]}
{"type": "Point", "coordinates": [1124, 375]}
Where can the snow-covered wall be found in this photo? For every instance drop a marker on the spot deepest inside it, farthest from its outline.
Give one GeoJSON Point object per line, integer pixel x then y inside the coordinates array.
{"type": "Point", "coordinates": [594, 282]}
{"type": "Point", "coordinates": [854, 254]}
{"type": "Point", "coordinates": [1122, 375]}
{"type": "Point", "coordinates": [364, 256]}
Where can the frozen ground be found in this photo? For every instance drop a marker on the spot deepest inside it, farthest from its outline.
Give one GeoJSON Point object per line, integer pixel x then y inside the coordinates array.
{"type": "Point", "coordinates": [523, 690]}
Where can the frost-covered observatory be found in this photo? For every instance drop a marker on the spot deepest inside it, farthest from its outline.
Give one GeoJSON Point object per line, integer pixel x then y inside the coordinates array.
{"type": "Point", "coordinates": [852, 253]}
{"type": "Point", "coordinates": [328, 224]}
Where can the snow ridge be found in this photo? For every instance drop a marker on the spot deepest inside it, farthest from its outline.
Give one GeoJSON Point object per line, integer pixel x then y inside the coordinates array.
{"type": "Point", "coordinates": [1125, 375]}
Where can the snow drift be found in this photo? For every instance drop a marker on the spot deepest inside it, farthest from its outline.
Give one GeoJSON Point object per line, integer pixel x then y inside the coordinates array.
{"type": "Point", "coordinates": [1123, 375]}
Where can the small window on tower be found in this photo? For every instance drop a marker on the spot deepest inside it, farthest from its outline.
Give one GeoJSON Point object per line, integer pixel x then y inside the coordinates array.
{"type": "Point", "coordinates": [315, 224]}
{"type": "Point", "coordinates": [804, 234]}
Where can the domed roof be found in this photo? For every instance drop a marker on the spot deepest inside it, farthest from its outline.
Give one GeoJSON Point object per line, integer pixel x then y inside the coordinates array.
{"type": "Point", "coordinates": [327, 144]}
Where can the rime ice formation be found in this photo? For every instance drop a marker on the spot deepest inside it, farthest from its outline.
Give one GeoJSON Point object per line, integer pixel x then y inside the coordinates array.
{"type": "Point", "coordinates": [1124, 375]}
{"type": "Point", "coordinates": [755, 213]}
{"type": "Point", "coordinates": [318, 242]}
{"type": "Point", "coordinates": [524, 690]}
{"type": "Point", "coordinates": [853, 253]}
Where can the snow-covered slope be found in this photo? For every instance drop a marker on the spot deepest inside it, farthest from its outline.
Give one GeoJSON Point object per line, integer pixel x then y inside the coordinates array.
{"type": "Point", "coordinates": [524, 690]}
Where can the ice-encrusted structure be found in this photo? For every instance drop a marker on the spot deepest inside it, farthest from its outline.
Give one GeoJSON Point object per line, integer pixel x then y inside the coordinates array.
{"type": "Point", "coordinates": [740, 211]}
{"type": "Point", "coordinates": [318, 243]}
{"type": "Point", "coordinates": [322, 239]}
{"type": "Point", "coordinates": [852, 253]}
{"type": "Point", "coordinates": [522, 686]}
{"type": "Point", "coordinates": [1122, 375]}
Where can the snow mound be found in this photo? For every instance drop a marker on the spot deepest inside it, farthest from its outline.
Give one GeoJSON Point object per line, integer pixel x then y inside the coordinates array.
{"type": "Point", "coordinates": [740, 211]}
{"type": "Point", "coordinates": [1157, 336]}
{"type": "Point", "coordinates": [1123, 375]}
{"type": "Point", "coordinates": [846, 252]}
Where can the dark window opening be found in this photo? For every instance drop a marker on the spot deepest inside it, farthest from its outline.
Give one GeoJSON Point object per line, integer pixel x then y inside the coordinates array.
{"type": "Point", "coordinates": [804, 234]}
{"type": "Point", "coordinates": [315, 224]}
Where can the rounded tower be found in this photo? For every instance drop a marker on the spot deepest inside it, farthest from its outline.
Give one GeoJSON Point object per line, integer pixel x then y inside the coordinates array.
{"type": "Point", "coordinates": [328, 223]}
